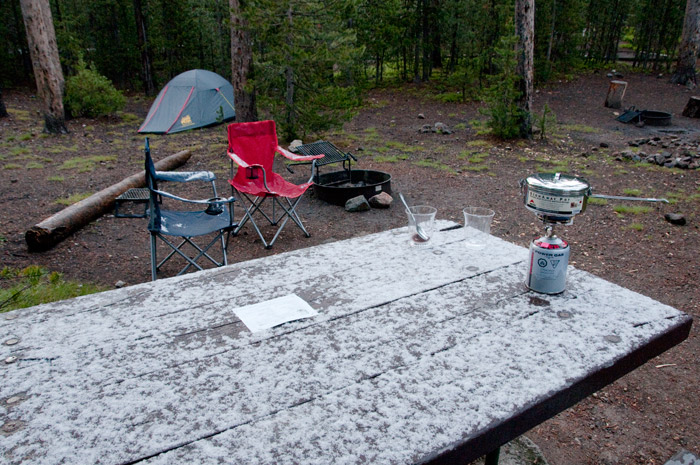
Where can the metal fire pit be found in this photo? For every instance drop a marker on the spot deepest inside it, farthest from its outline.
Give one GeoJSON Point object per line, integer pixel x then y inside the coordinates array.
{"type": "Point", "coordinates": [656, 118]}
{"type": "Point", "coordinates": [338, 187]}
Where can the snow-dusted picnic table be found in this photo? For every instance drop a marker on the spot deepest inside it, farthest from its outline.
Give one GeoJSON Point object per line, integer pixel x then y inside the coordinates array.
{"type": "Point", "coordinates": [416, 354]}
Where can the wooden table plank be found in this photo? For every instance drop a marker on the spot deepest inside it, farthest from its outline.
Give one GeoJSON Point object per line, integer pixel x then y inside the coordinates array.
{"type": "Point", "coordinates": [387, 344]}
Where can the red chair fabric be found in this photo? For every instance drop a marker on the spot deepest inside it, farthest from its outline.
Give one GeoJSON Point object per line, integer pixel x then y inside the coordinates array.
{"type": "Point", "coordinates": [252, 147]}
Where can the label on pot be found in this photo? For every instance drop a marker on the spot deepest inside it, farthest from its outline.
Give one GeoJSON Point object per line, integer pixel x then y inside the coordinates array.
{"type": "Point", "coordinates": [552, 203]}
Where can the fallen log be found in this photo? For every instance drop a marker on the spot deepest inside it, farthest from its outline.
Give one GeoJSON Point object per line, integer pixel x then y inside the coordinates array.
{"type": "Point", "coordinates": [54, 229]}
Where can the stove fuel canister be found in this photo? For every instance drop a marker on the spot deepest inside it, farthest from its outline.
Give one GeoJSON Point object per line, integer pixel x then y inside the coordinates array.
{"type": "Point", "coordinates": [549, 258]}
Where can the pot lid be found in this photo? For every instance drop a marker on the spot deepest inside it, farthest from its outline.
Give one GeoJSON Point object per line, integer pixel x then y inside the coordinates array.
{"type": "Point", "coordinates": [558, 183]}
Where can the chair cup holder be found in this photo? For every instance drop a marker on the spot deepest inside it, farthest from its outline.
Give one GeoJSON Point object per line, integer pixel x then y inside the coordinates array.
{"type": "Point", "coordinates": [216, 206]}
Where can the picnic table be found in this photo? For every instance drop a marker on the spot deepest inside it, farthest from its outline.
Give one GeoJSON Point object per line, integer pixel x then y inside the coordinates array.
{"type": "Point", "coordinates": [417, 354]}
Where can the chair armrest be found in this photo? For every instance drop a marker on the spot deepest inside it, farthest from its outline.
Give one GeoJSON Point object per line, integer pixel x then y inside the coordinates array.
{"type": "Point", "coordinates": [185, 176]}
{"type": "Point", "coordinates": [237, 160]}
{"type": "Point", "coordinates": [219, 200]}
{"type": "Point", "coordinates": [295, 157]}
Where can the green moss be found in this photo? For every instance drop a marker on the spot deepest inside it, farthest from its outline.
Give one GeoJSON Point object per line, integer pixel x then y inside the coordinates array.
{"type": "Point", "coordinates": [26, 136]}
{"type": "Point", "coordinates": [635, 226]}
{"type": "Point", "coordinates": [33, 165]}
{"type": "Point", "coordinates": [55, 178]}
{"type": "Point", "coordinates": [12, 166]}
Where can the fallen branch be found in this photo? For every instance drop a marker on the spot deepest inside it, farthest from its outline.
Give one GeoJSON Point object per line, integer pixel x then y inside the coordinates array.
{"type": "Point", "coordinates": [54, 229]}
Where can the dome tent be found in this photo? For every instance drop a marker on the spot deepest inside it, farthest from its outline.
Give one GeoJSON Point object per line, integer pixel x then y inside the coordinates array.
{"type": "Point", "coordinates": [193, 99]}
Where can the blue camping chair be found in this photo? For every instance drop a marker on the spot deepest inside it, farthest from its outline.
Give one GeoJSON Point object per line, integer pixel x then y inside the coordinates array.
{"type": "Point", "coordinates": [216, 219]}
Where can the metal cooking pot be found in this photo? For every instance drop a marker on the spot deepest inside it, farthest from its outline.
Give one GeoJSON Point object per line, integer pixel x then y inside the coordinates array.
{"type": "Point", "coordinates": [557, 198]}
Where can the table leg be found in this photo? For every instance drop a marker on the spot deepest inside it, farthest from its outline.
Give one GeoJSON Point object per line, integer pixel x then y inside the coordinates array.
{"type": "Point", "coordinates": [492, 457]}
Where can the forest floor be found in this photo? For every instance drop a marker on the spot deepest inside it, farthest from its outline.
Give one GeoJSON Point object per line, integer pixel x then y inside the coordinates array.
{"type": "Point", "coordinates": [644, 418]}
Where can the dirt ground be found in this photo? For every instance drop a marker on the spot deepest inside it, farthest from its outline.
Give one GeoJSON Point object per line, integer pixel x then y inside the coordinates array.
{"type": "Point", "coordinates": [644, 418]}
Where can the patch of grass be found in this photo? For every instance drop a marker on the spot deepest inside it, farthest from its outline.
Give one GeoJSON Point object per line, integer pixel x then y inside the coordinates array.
{"type": "Point", "coordinates": [478, 143]}
{"type": "Point", "coordinates": [128, 117]}
{"type": "Point", "coordinates": [73, 198]}
{"type": "Point", "coordinates": [16, 151]}
{"type": "Point", "coordinates": [55, 178]}
{"type": "Point", "coordinates": [460, 126]}
{"type": "Point", "coordinates": [635, 226]}
{"type": "Point", "coordinates": [86, 164]}
{"type": "Point", "coordinates": [61, 149]}
{"type": "Point", "coordinates": [402, 147]}
{"type": "Point", "coordinates": [26, 136]}
{"type": "Point", "coordinates": [12, 166]}
{"type": "Point", "coordinates": [21, 115]}
{"type": "Point", "coordinates": [475, 168]}
{"type": "Point", "coordinates": [632, 192]}
{"type": "Point", "coordinates": [34, 165]}
{"type": "Point", "coordinates": [390, 159]}
{"type": "Point", "coordinates": [428, 163]}
{"type": "Point", "coordinates": [371, 134]}
{"type": "Point", "coordinates": [632, 210]}
{"type": "Point", "coordinates": [579, 128]}
{"type": "Point", "coordinates": [89, 128]}
{"type": "Point", "coordinates": [597, 201]}
{"type": "Point", "coordinates": [35, 285]}
{"type": "Point", "coordinates": [480, 126]}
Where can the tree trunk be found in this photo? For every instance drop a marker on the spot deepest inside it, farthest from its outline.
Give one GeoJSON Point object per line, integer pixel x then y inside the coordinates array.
{"type": "Point", "coordinates": [54, 229]}
{"type": "Point", "coordinates": [3, 110]}
{"type": "Point", "coordinates": [692, 108]}
{"type": "Point", "coordinates": [616, 94]}
{"type": "Point", "coordinates": [525, 30]}
{"type": "Point", "coordinates": [41, 38]}
{"type": "Point", "coordinates": [289, 78]}
{"type": "Point", "coordinates": [241, 65]}
{"type": "Point", "coordinates": [146, 68]}
{"type": "Point", "coordinates": [690, 45]}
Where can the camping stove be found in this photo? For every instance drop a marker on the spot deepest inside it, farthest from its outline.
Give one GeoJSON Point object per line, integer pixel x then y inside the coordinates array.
{"type": "Point", "coordinates": [555, 199]}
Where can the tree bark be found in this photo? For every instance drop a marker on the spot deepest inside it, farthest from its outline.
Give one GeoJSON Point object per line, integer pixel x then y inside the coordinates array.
{"type": "Point", "coordinates": [690, 45]}
{"type": "Point", "coordinates": [142, 37]}
{"type": "Point", "coordinates": [43, 50]}
{"type": "Point", "coordinates": [241, 65]}
{"type": "Point", "coordinates": [54, 229]}
{"type": "Point", "coordinates": [525, 30]}
{"type": "Point", "coordinates": [3, 110]}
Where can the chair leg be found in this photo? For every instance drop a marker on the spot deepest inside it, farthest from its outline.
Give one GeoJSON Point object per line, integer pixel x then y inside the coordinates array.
{"type": "Point", "coordinates": [154, 267]}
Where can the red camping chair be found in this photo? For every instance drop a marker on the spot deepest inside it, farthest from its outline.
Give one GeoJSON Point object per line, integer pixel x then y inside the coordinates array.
{"type": "Point", "coordinates": [252, 147]}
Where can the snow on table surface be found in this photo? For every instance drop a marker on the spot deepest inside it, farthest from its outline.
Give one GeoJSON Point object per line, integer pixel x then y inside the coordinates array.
{"type": "Point", "coordinates": [414, 349]}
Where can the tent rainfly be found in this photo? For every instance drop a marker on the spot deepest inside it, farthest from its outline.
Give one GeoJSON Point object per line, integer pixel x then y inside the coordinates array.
{"type": "Point", "coordinates": [193, 99]}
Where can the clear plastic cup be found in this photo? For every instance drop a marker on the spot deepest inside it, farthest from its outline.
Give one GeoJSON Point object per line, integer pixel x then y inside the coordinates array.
{"type": "Point", "coordinates": [477, 225]}
{"type": "Point", "coordinates": [421, 224]}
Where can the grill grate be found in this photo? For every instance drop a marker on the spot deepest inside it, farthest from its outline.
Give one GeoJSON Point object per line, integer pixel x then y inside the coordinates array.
{"type": "Point", "coordinates": [137, 195]}
{"type": "Point", "coordinates": [331, 152]}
